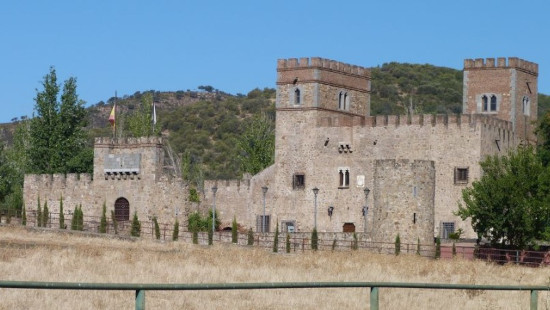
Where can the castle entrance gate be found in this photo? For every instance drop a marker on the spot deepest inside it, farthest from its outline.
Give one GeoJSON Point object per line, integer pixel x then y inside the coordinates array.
{"type": "Point", "coordinates": [122, 209]}
{"type": "Point", "coordinates": [348, 227]}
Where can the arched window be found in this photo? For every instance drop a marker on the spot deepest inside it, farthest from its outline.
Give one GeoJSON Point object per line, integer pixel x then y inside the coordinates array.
{"type": "Point", "coordinates": [122, 210]}
{"type": "Point", "coordinates": [484, 103]}
{"type": "Point", "coordinates": [343, 100]}
{"type": "Point", "coordinates": [343, 174]}
{"type": "Point", "coordinates": [493, 103]}
{"type": "Point", "coordinates": [297, 99]}
{"type": "Point", "coordinates": [340, 100]}
{"type": "Point", "coordinates": [346, 101]}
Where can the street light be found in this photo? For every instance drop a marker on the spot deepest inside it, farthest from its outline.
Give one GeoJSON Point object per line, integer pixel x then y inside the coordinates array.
{"type": "Point", "coordinates": [366, 208]}
{"type": "Point", "coordinates": [315, 192]}
{"type": "Point", "coordinates": [214, 190]}
{"type": "Point", "coordinates": [264, 190]}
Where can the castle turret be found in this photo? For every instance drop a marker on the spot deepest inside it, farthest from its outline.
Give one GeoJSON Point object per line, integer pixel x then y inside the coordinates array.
{"type": "Point", "coordinates": [506, 89]}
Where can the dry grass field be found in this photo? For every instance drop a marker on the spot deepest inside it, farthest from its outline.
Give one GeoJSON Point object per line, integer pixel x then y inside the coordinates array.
{"type": "Point", "coordinates": [43, 255]}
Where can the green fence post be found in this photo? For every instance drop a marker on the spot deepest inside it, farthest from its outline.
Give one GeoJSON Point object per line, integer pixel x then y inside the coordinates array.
{"type": "Point", "coordinates": [140, 299]}
{"type": "Point", "coordinates": [534, 300]}
{"type": "Point", "coordinates": [374, 298]}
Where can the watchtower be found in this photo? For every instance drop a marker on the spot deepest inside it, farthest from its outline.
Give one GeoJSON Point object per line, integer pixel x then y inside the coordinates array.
{"type": "Point", "coordinates": [506, 89]}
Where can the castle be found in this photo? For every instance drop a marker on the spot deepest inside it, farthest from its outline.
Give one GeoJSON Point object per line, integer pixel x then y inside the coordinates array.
{"type": "Point", "coordinates": [336, 167]}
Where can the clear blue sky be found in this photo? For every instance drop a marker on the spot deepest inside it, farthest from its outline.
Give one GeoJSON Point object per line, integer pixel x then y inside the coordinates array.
{"type": "Point", "coordinates": [131, 46]}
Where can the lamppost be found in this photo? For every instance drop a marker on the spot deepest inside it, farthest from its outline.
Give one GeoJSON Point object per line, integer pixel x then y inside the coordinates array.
{"type": "Point", "coordinates": [214, 190]}
{"type": "Point", "coordinates": [366, 208]}
{"type": "Point", "coordinates": [315, 191]}
{"type": "Point", "coordinates": [264, 190]}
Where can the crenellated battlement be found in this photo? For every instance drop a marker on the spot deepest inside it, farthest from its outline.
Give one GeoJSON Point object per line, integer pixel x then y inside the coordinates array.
{"type": "Point", "coordinates": [437, 120]}
{"type": "Point", "coordinates": [317, 62]}
{"type": "Point", "coordinates": [58, 180]}
{"type": "Point", "coordinates": [129, 141]}
{"type": "Point", "coordinates": [502, 62]}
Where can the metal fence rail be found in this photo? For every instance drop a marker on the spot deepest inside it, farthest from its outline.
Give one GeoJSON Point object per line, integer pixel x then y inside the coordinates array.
{"type": "Point", "coordinates": [374, 288]}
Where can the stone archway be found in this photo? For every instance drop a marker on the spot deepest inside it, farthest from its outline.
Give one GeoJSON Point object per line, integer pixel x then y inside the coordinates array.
{"type": "Point", "coordinates": [122, 209]}
{"type": "Point", "coordinates": [348, 227]}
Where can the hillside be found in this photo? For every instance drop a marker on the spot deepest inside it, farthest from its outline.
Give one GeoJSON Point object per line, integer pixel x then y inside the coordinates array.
{"type": "Point", "coordinates": [206, 123]}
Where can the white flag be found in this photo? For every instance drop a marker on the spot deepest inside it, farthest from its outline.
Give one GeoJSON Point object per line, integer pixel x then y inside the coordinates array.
{"type": "Point", "coordinates": [154, 114]}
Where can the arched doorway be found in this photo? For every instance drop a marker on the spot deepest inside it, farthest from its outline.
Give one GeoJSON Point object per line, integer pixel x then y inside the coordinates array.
{"type": "Point", "coordinates": [349, 227]}
{"type": "Point", "coordinates": [122, 209]}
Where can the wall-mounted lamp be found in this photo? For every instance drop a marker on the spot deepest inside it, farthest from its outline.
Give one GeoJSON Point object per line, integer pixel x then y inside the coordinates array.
{"type": "Point", "coordinates": [365, 211]}
{"type": "Point", "coordinates": [330, 210]}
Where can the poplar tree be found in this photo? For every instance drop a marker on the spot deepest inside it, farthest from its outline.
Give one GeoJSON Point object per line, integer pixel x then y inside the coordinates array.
{"type": "Point", "coordinates": [57, 138]}
{"type": "Point", "coordinates": [61, 215]}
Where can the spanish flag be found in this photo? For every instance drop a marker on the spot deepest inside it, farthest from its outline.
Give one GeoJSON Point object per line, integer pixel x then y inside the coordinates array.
{"type": "Point", "coordinates": [112, 116]}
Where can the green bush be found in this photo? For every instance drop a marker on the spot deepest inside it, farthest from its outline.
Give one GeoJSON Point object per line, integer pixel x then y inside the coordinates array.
{"type": "Point", "coordinates": [23, 216]}
{"type": "Point", "coordinates": [288, 243]}
{"type": "Point", "coordinates": [135, 230]}
{"type": "Point", "coordinates": [157, 228]}
{"type": "Point", "coordinates": [355, 242]}
{"type": "Point", "coordinates": [45, 215]}
{"type": "Point", "coordinates": [61, 215]}
{"type": "Point", "coordinates": [418, 247]}
{"type": "Point", "coordinates": [276, 239]}
{"type": "Point", "coordinates": [397, 245]}
{"type": "Point", "coordinates": [437, 248]}
{"type": "Point", "coordinates": [314, 240]}
{"type": "Point", "coordinates": [39, 214]}
{"type": "Point", "coordinates": [176, 232]}
{"type": "Point", "coordinates": [454, 250]}
{"type": "Point", "coordinates": [194, 195]}
{"type": "Point", "coordinates": [103, 221]}
{"type": "Point", "coordinates": [234, 232]}
{"type": "Point", "coordinates": [250, 237]}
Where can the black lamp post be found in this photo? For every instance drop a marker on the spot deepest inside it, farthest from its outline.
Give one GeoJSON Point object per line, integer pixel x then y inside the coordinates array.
{"type": "Point", "coordinates": [366, 208]}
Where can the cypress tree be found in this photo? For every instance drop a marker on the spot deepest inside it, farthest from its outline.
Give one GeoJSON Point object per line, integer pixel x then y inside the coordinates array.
{"type": "Point", "coordinates": [61, 215]}
{"type": "Point", "coordinates": [250, 240]}
{"type": "Point", "coordinates": [314, 240]}
{"type": "Point", "coordinates": [157, 228]}
{"type": "Point", "coordinates": [334, 244]}
{"type": "Point", "coordinates": [397, 245]}
{"type": "Point", "coordinates": [103, 222]}
{"type": "Point", "coordinates": [39, 214]}
{"type": "Point", "coordinates": [454, 250]}
{"type": "Point", "coordinates": [276, 239]}
{"type": "Point", "coordinates": [195, 237]}
{"type": "Point", "coordinates": [418, 247]}
{"type": "Point", "coordinates": [437, 248]}
{"type": "Point", "coordinates": [115, 223]}
{"type": "Point", "coordinates": [80, 218]}
{"type": "Point", "coordinates": [176, 232]}
{"type": "Point", "coordinates": [135, 231]}
{"type": "Point", "coordinates": [23, 216]}
{"type": "Point", "coordinates": [234, 233]}
{"type": "Point", "coordinates": [45, 215]}
{"type": "Point", "coordinates": [74, 220]}
{"type": "Point", "coordinates": [354, 243]}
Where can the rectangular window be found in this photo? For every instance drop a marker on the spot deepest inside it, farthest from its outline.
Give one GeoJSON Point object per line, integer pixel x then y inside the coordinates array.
{"type": "Point", "coordinates": [263, 227]}
{"type": "Point", "coordinates": [289, 226]}
{"type": "Point", "coordinates": [461, 175]}
{"type": "Point", "coordinates": [299, 181]}
{"type": "Point", "coordinates": [447, 228]}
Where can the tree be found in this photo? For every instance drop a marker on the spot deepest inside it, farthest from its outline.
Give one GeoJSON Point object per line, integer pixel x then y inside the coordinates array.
{"type": "Point", "coordinates": [57, 139]}
{"type": "Point", "coordinates": [140, 122]}
{"type": "Point", "coordinates": [314, 240]}
{"type": "Point", "coordinates": [437, 248]}
{"type": "Point", "coordinates": [103, 221]}
{"type": "Point", "coordinates": [276, 239]}
{"type": "Point", "coordinates": [397, 245]}
{"type": "Point", "coordinates": [250, 240]}
{"type": "Point", "coordinates": [157, 228]}
{"type": "Point", "coordinates": [287, 243]}
{"type": "Point", "coordinates": [39, 214]}
{"type": "Point", "coordinates": [23, 216]}
{"type": "Point", "coordinates": [135, 230]}
{"type": "Point", "coordinates": [176, 232]}
{"type": "Point", "coordinates": [355, 242]}
{"type": "Point", "coordinates": [509, 205]}
{"type": "Point", "coordinates": [45, 215]}
{"type": "Point", "coordinates": [257, 145]}
{"type": "Point", "coordinates": [234, 232]}
{"type": "Point", "coordinates": [61, 215]}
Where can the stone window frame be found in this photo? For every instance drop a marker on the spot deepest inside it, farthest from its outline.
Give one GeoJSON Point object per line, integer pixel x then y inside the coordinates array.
{"type": "Point", "coordinates": [526, 101]}
{"type": "Point", "coordinates": [296, 96]}
{"type": "Point", "coordinates": [299, 181]}
{"type": "Point", "coordinates": [461, 175]}
{"type": "Point", "coordinates": [343, 177]}
{"type": "Point", "coordinates": [344, 100]}
{"type": "Point", "coordinates": [486, 101]}
{"type": "Point", "coordinates": [287, 223]}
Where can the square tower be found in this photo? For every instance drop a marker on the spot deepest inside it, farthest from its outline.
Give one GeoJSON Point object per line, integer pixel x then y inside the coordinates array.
{"type": "Point", "coordinates": [506, 89]}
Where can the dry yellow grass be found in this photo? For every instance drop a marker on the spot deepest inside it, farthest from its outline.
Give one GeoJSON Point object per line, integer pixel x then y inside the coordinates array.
{"type": "Point", "coordinates": [41, 255]}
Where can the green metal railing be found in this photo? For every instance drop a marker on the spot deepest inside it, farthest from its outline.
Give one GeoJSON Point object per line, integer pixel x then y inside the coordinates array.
{"type": "Point", "coordinates": [374, 288]}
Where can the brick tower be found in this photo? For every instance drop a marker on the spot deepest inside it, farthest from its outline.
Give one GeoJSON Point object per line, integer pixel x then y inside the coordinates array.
{"type": "Point", "coordinates": [505, 89]}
